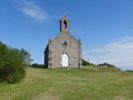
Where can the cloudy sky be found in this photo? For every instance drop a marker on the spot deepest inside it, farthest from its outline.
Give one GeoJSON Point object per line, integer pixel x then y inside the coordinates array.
{"type": "Point", "coordinates": [104, 26]}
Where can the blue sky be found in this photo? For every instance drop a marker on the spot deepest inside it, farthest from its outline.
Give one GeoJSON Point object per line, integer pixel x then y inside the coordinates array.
{"type": "Point", "coordinates": [104, 26]}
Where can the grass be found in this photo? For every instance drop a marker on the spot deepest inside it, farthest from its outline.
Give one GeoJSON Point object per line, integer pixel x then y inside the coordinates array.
{"type": "Point", "coordinates": [89, 83]}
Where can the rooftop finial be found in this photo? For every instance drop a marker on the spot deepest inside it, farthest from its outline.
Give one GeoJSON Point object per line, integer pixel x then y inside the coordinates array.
{"type": "Point", "coordinates": [64, 14]}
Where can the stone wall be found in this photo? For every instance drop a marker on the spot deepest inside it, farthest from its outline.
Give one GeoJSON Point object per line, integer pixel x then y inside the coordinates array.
{"type": "Point", "coordinates": [73, 50]}
{"type": "Point", "coordinates": [46, 57]}
{"type": "Point", "coordinates": [56, 49]}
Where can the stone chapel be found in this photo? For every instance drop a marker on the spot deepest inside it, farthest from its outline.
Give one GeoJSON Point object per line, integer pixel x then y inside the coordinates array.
{"type": "Point", "coordinates": [64, 51]}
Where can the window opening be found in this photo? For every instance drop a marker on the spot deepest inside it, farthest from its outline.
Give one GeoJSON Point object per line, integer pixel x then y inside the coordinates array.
{"type": "Point", "coordinates": [65, 24]}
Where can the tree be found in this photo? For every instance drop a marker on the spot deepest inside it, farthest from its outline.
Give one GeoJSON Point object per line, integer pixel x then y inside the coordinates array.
{"type": "Point", "coordinates": [25, 57]}
{"type": "Point", "coordinates": [12, 62]}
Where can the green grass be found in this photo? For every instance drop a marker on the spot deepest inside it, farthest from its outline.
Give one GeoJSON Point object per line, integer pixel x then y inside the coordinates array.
{"type": "Point", "coordinates": [89, 83]}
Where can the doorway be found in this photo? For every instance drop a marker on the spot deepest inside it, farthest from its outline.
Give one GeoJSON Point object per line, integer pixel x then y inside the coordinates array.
{"type": "Point", "coordinates": [65, 60]}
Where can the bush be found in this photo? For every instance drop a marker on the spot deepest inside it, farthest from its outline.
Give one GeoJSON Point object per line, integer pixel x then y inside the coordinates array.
{"type": "Point", "coordinates": [16, 76]}
{"type": "Point", "coordinates": [11, 64]}
{"type": "Point", "coordinates": [108, 65]}
{"type": "Point", "coordinates": [85, 63]}
{"type": "Point", "coordinates": [128, 71]}
{"type": "Point", "coordinates": [36, 65]}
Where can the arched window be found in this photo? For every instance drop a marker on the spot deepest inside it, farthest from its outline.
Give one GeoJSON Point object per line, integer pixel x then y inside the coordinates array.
{"type": "Point", "coordinates": [65, 60]}
{"type": "Point", "coordinates": [65, 24]}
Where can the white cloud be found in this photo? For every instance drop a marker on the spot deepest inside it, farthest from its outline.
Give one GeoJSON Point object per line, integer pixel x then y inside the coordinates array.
{"type": "Point", "coordinates": [119, 53]}
{"type": "Point", "coordinates": [30, 9]}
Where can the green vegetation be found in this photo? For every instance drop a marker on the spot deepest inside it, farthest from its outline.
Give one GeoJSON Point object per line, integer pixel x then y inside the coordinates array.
{"type": "Point", "coordinates": [89, 83]}
{"type": "Point", "coordinates": [36, 65]}
{"type": "Point", "coordinates": [129, 71]}
{"type": "Point", "coordinates": [12, 62]}
{"type": "Point", "coordinates": [86, 63]}
{"type": "Point", "coordinates": [108, 65]}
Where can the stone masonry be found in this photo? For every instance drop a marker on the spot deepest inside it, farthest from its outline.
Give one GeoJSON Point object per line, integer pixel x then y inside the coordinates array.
{"type": "Point", "coordinates": [64, 51]}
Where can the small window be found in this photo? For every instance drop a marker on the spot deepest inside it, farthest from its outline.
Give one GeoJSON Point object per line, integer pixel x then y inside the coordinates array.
{"type": "Point", "coordinates": [65, 24]}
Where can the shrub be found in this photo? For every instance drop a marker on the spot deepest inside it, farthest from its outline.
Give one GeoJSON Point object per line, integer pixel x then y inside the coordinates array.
{"type": "Point", "coordinates": [16, 76]}
{"type": "Point", "coordinates": [85, 63]}
{"type": "Point", "coordinates": [36, 65]}
{"type": "Point", "coordinates": [128, 71]}
{"type": "Point", "coordinates": [108, 65]}
{"type": "Point", "coordinates": [11, 64]}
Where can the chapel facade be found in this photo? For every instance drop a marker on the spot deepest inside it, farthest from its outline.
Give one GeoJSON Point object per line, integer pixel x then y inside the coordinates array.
{"type": "Point", "coordinates": [64, 51]}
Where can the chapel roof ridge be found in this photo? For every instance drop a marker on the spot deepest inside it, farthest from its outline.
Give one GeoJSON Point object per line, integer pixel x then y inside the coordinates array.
{"type": "Point", "coordinates": [65, 17]}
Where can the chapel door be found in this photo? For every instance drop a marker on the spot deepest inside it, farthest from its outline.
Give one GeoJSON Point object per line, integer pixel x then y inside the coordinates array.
{"type": "Point", "coordinates": [65, 60]}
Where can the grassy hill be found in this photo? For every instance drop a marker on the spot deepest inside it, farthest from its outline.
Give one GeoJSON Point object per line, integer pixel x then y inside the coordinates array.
{"type": "Point", "coordinates": [89, 83]}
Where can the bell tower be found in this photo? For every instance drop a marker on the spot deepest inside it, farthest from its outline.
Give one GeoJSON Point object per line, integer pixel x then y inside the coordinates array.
{"type": "Point", "coordinates": [64, 23]}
